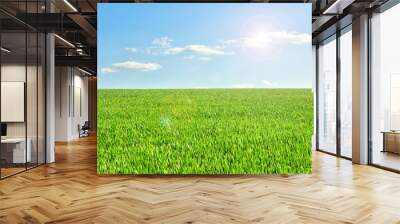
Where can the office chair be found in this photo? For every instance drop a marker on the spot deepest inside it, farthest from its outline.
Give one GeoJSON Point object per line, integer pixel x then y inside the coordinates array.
{"type": "Point", "coordinates": [84, 130]}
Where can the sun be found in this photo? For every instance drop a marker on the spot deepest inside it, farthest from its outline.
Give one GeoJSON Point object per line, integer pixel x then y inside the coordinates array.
{"type": "Point", "coordinates": [257, 40]}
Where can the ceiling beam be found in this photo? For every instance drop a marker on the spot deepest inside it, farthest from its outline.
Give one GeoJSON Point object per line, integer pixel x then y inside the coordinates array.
{"type": "Point", "coordinates": [84, 24]}
{"type": "Point", "coordinates": [78, 61]}
{"type": "Point", "coordinates": [338, 6]}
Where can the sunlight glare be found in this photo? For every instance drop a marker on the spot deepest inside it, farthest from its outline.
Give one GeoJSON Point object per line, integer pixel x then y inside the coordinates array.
{"type": "Point", "coordinates": [257, 40]}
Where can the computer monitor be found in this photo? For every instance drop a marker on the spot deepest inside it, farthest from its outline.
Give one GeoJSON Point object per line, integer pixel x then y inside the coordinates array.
{"type": "Point", "coordinates": [3, 130]}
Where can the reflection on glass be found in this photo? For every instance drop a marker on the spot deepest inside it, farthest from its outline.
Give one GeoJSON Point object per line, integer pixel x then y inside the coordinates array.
{"type": "Point", "coordinates": [327, 97]}
{"type": "Point", "coordinates": [31, 101]}
{"type": "Point", "coordinates": [14, 153]}
{"type": "Point", "coordinates": [346, 94]}
{"type": "Point", "coordinates": [22, 91]}
{"type": "Point", "coordinates": [41, 98]}
{"type": "Point", "coordinates": [394, 102]}
{"type": "Point", "coordinates": [386, 89]}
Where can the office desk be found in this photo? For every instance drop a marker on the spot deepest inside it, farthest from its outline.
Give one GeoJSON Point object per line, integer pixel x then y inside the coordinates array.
{"type": "Point", "coordinates": [13, 150]}
{"type": "Point", "coordinates": [391, 141]}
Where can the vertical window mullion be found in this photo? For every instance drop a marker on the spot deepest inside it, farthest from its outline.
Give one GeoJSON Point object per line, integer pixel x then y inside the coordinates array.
{"type": "Point", "coordinates": [26, 86]}
{"type": "Point", "coordinates": [37, 90]}
{"type": "Point", "coordinates": [369, 91]}
{"type": "Point", "coordinates": [317, 97]}
{"type": "Point", "coordinates": [338, 80]}
{"type": "Point", "coordinates": [0, 93]}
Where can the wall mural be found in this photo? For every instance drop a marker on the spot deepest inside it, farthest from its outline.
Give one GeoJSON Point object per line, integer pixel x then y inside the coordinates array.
{"type": "Point", "coordinates": [204, 89]}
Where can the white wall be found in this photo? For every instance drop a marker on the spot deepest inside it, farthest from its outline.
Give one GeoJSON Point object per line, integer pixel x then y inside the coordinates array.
{"type": "Point", "coordinates": [14, 72]}
{"type": "Point", "coordinates": [33, 127]}
{"type": "Point", "coordinates": [62, 82]}
{"type": "Point", "coordinates": [79, 110]}
{"type": "Point", "coordinates": [70, 83]}
{"type": "Point", "coordinates": [17, 72]}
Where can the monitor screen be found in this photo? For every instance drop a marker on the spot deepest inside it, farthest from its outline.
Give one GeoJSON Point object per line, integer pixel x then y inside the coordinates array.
{"type": "Point", "coordinates": [3, 129]}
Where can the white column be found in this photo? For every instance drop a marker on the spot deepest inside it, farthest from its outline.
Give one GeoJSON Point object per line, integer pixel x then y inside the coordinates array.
{"type": "Point", "coordinates": [360, 90]}
{"type": "Point", "coordinates": [50, 99]}
{"type": "Point", "coordinates": [314, 90]}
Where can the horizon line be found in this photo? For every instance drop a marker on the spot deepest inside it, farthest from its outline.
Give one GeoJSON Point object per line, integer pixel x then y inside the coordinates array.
{"type": "Point", "coordinates": [205, 88]}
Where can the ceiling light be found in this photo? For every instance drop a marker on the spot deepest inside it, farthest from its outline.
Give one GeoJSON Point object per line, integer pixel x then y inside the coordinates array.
{"type": "Point", "coordinates": [84, 71]}
{"type": "Point", "coordinates": [338, 6]}
{"type": "Point", "coordinates": [70, 5]}
{"type": "Point", "coordinates": [65, 41]}
{"type": "Point", "coordinates": [5, 50]}
{"type": "Point", "coordinates": [79, 51]}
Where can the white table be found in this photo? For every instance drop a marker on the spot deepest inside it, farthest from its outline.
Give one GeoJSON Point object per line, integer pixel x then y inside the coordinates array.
{"type": "Point", "coordinates": [19, 153]}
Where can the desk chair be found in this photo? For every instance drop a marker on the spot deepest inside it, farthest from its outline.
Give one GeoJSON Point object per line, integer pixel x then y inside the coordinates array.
{"type": "Point", "coordinates": [84, 130]}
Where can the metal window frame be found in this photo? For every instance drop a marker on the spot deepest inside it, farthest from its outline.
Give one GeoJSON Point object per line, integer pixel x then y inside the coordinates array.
{"type": "Point", "coordinates": [381, 9]}
{"type": "Point", "coordinates": [340, 31]}
{"type": "Point", "coordinates": [386, 6]}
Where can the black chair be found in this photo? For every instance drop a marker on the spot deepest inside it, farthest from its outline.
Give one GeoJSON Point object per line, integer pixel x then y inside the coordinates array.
{"type": "Point", "coordinates": [84, 130]}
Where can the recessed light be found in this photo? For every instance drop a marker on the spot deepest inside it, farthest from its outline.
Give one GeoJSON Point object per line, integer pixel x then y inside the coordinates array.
{"type": "Point", "coordinates": [84, 71]}
{"type": "Point", "coordinates": [5, 50]}
{"type": "Point", "coordinates": [64, 40]}
{"type": "Point", "coordinates": [70, 5]}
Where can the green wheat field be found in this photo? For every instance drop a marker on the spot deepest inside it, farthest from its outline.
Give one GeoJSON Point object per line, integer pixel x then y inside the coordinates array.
{"type": "Point", "coordinates": [204, 131]}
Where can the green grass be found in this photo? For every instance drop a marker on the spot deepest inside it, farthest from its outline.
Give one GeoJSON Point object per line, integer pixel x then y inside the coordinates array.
{"type": "Point", "coordinates": [205, 131]}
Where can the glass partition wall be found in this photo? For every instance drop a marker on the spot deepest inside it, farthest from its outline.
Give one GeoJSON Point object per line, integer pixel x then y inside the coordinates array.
{"type": "Point", "coordinates": [13, 89]}
{"type": "Point", "coordinates": [385, 89]}
{"type": "Point", "coordinates": [22, 107]}
{"type": "Point", "coordinates": [334, 94]}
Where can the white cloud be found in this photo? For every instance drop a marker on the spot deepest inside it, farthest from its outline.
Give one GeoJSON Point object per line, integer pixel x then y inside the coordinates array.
{"type": "Point", "coordinates": [137, 66]}
{"type": "Point", "coordinates": [267, 39]}
{"type": "Point", "coordinates": [174, 50]}
{"type": "Point", "coordinates": [256, 41]}
{"type": "Point", "coordinates": [107, 70]}
{"type": "Point", "coordinates": [229, 42]}
{"type": "Point", "coordinates": [162, 41]}
{"type": "Point", "coordinates": [131, 49]}
{"type": "Point", "coordinates": [267, 83]}
{"type": "Point", "coordinates": [292, 37]}
{"type": "Point", "coordinates": [204, 50]}
{"type": "Point", "coordinates": [153, 50]}
{"type": "Point", "coordinates": [163, 45]}
{"type": "Point", "coordinates": [204, 58]}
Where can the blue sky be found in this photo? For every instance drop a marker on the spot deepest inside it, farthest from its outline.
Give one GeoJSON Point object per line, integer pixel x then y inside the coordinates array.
{"type": "Point", "coordinates": [204, 46]}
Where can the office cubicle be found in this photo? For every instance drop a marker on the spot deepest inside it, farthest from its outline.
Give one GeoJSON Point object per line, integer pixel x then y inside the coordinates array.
{"type": "Point", "coordinates": [22, 98]}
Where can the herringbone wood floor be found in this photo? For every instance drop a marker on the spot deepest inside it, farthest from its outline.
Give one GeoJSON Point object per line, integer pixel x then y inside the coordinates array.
{"type": "Point", "coordinates": [70, 191]}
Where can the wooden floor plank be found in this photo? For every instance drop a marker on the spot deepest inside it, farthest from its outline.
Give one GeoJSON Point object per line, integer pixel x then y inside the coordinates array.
{"type": "Point", "coordinates": [70, 191]}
